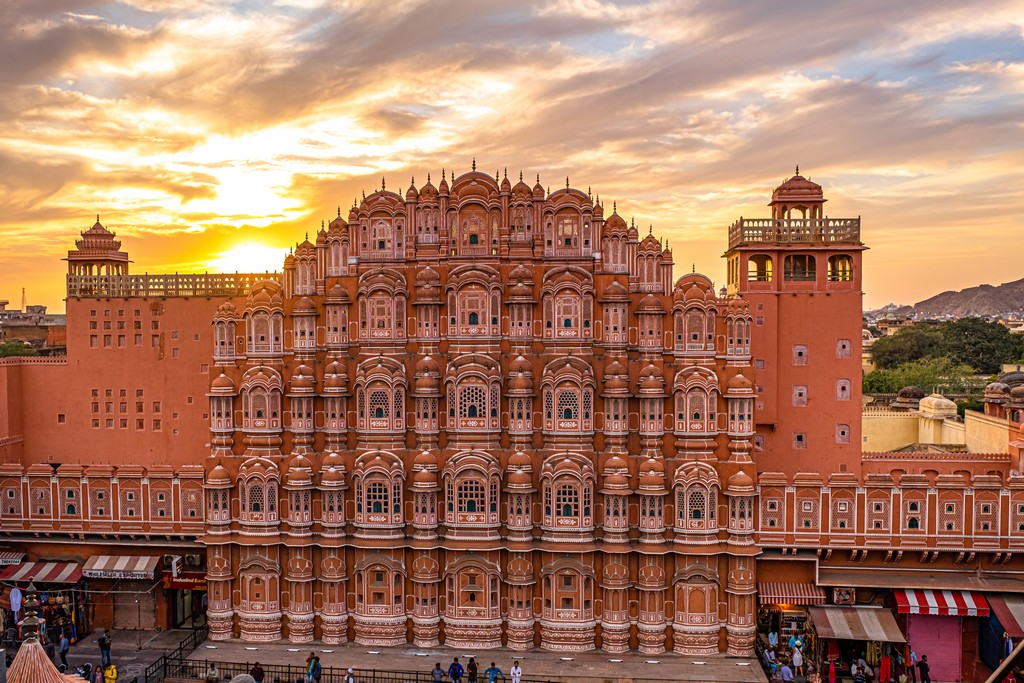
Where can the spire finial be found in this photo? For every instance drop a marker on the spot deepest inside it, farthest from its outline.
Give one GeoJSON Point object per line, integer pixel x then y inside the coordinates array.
{"type": "Point", "coordinates": [497, 176]}
{"type": "Point", "coordinates": [339, 210]}
{"type": "Point", "coordinates": [538, 178]}
{"type": "Point", "coordinates": [442, 173]}
{"type": "Point", "coordinates": [321, 224]}
{"type": "Point", "coordinates": [588, 190]}
{"type": "Point", "coordinates": [631, 223]}
{"type": "Point", "coordinates": [615, 206]}
{"type": "Point", "coordinates": [383, 184]}
{"type": "Point", "coordinates": [520, 176]}
{"type": "Point", "coordinates": [650, 229]}
{"type": "Point", "coordinates": [798, 169]}
{"type": "Point", "coordinates": [364, 195]}
{"type": "Point", "coordinates": [307, 235]}
{"type": "Point", "coordinates": [31, 623]}
{"type": "Point", "coordinates": [97, 218]}
{"type": "Point", "coordinates": [428, 179]}
{"type": "Point", "coordinates": [506, 171]}
{"type": "Point", "coordinates": [567, 182]}
{"type": "Point", "coordinates": [412, 181]}
{"type": "Point", "coordinates": [474, 163]}
{"type": "Point", "coordinates": [694, 270]}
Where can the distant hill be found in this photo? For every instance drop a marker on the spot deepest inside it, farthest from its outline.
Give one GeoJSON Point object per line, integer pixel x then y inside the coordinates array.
{"type": "Point", "coordinates": [983, 300]}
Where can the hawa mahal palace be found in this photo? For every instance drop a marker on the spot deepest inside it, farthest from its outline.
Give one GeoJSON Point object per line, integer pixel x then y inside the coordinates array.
{"type": "Point", "coordinates": [484, 414]}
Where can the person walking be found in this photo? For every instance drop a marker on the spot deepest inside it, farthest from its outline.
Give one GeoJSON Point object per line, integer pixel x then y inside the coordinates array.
{"type": "Point", "coordinates": [309, 667]}
{"type": "Point", "coordinates": [317, 670]}
{"type": "Point", "coordinates": [472, 670]}
{"type": "Point", "coordinates": [438, 673]}
{"type": "Point", "coordinates": [516, 672]}
{"type": "Point", "coordinates": [257, 673]}
{"type": "Point", "coordinates": [924, 669]}
{"type": "Point", "coordinates": [798, 662]}
{"type": "Point", "coordinates": [104, 642]}
{"type": "Point", "coordinates": [913, 663]}
{"type": "Point", "coordinates": [493, 672]}
{"type": "Point", "coordinates": [455, 671]}
{"type": "Point", "coordinates": [64, 646]}
{"type": "Point", "coordinates": [350, 676]}
{"type": "Point", "coordinates": [110, 674]}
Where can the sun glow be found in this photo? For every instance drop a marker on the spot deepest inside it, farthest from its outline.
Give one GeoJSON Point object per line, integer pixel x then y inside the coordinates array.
{"type": "Point", "coordinates": [249, 258]}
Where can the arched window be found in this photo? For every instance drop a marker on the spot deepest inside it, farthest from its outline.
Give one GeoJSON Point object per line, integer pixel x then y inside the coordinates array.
{"type": "Point", "coordinates": [800, 268]}
{"type": "Point", "coordinates": [840, 268]}
{"type": "Point", "coordinates": [759, 268]}
{"type": "Point", "coordinates": [474, 317]}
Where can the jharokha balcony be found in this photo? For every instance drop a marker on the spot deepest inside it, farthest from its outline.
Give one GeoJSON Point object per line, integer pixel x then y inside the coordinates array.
{"type": "Point", "coordinates": [794, 230]}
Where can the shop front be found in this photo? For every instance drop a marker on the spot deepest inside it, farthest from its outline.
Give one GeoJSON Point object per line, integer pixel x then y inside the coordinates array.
{"type": "Point", "coordinates": [186, 593]}
{"type": "Point", "coordinates": [847, 633]}
{"type": "Point", "coordinates": [944, 626]}
{"type": "Point", "coordinates": [782, 610]}
{"type": "Point", "coordinates": [124, 588]}
{"type": "Point", "coordinates": [1003, 629]}
{"type": "Point", "coordinates": [62, 596]}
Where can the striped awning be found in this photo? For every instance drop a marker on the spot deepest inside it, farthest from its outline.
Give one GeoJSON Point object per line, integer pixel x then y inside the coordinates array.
{"type": "Point", "coordinates": [43, 572]}
{"type": "Point", "coordinates": [9, 557]}
{"type": "Point", "coordinates": [944, 603]}
{"type": "Point", "coordinates": [785, 593]}
{"type": "Point", "coordinates": [1009, 610]}
{"type": "Point", "coordinates": [121, 566]}
{"type": "Point", "coordinates": [856, 623]}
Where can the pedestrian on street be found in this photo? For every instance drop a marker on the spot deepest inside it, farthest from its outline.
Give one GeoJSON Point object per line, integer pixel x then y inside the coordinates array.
{"type": "Point", "coordinates": [257, 673]}
{"type": "Point", "coordinates": [104, 643]}
{"type": "Point", "coordinates": [798, 662]}
{"type": "Point", "coordinates": [913, 664]}
{"type": "Point", "coordinates": [493, 672]}
{"type": "Point", "coordinates": [317, 670]}
{"type": "Point", "coordinates": [309, 667]}
{"type": "Point", "coordinates": [97, 674]}
{"type": "Point", "coordinates": [472, 670]}
{"type": "Point", "coordinates": [516, 672]}
{"type": "Point", "coordinates": [455, 671]}
{"type": "Point", "coordinates": [350, 676]}
{"type": "Point", "coordinates": [923, 669]}
{"type": "Point", "coordinates": [110, 674]}
{"type": "Point", "coordinates": [438, 673]}
{"type": "Point", "coordinates": [64, 646]}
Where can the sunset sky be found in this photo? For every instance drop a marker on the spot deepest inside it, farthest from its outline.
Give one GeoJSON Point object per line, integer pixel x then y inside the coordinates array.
{"type": "Point", "coordinates": [205, 130]}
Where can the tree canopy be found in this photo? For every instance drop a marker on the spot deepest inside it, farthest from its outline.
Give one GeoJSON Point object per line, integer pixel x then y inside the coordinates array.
{"type": "Point", "coordinates": [8, 349]}
{"type": "Point", "coordinates": [975, 342]}
{"type": "Point", "coordinates": [934, 375]}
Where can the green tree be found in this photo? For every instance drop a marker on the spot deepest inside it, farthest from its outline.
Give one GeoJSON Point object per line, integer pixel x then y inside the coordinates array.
{"type": "Point", "coordinates": [935, 375]}
{"type": "Point", "coordinates": [881, 382]}
{"type": "Point", "coordinates": [909, 344]}
{"type": "Point", "coordinates": [8, 349]}
{"type": "Point", "coordinates": [969, 404]}
{"type": "Point", "coordinates": [979, 343]}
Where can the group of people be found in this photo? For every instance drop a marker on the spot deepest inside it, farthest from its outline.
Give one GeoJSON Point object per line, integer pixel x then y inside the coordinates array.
{"type": "Point", "coordinates": [786, 661]}
{"type": "Point", "coordinates": [471, 672]}
{"type": "Point", "coordinates": [104, 672]}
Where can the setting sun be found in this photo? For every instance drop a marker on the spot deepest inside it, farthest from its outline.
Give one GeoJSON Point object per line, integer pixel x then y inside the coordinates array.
{"type": "Point", "coordinates": [249, 258]}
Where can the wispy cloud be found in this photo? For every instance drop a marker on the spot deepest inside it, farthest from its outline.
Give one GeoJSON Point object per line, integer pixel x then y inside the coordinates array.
{"type": "Point", "coordinates": [195, 126]}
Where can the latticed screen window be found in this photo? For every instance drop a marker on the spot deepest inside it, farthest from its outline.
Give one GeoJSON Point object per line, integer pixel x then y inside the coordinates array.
{"type": "Point", "coordinates": [377, 497]}
{"type": "Point", "coordinates": [568, 405]}
{"type": "Point", "coordinates": [567, 501]}
{"type": "Point", "coordinates": [472, 401]}
{"type": "Point", "coordinates": [379, 408]}
{"type": "Point", "coordinates": [471, 495]}
{"type": "Point", "coordinates": [256, 501]}
{"type": "Point", "coordinates": [771, 513]}
{"type": "Point", "coordinates": [697, 505]}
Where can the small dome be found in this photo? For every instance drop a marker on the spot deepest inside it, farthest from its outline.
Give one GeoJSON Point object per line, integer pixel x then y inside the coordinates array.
{"type": "Point", "coordinates": [223, 383]}
{"type": "Point", "coordinates": [332, 476]}
{"type": "Point", "coordinates": [614, 224]}
{"type": "Point", "coordinates": [218, 475]}
{"type": "Point", "coordinates": [520, 382]}
{"type": "Point", "coordinates": [1017, 393]}
{"type": "Point", "coordinates": [615, 462]}
{"type": "Point", "coordinates": [300, 462]}
{"type": "Point", "coordinates": [521, 272]}
{"type": "Point", "coordinates": [304, 306]}
{"type": "Point", "coordinates": [739, 385]}
{"type": "Point", "coordinates": [997, 390]}
{"type": "Point", "coordinates": [506, 186]}
{"type": "Point", "coordinates": [936, 406]}
{"type": "Point", "coordinates": [298, 478]}
{"type": "Point", "coordinates": [519, 478]}
{"type": "Point", "coordinates": [332, 460]}
{"type": "Point", "coordinates": [411, 194]}
{"type": "Point", "coordinates": [321, 237]}
{"type": "Point", "coordinates": [740, 483]}
{"type": "Point", "coordinates": [520, 460]}
{"type": "Point", "coordinates": [425, 478]}
{"type": "Point", "coordinates": [616, 480]}
{"type": "Point", "coordinates": [615, 292]}
{"type": "Point", "coordinates": [337, 294]}
{"type": "Point", "coordinates": [427, 276]}
{"type": "Point", "coordinates": [1012, 378]}
{"type": "Point", "coordinates": [911, 392]}
{"type": "Point", "coordinates": [650, 304]}
{"type": "Point", "coordinates": [652, 474]}
{"type": "Point", "coordinates": [426, 364]}
{"type": "Point", "coordinates": [425, 459]}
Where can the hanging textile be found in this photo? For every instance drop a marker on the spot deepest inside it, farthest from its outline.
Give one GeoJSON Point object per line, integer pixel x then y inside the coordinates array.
{"type": "Point", "coordinates": [833, 650]}
{"type": "Point", "coordinates": [15, 600]}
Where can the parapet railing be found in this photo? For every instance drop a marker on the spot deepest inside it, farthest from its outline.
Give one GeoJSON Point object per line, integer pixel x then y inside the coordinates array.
{"type": "Point", "coordinates": [176, 285]}
{"type": "Point", "coordinates": [195, 669]}
{"type": "Point", "coordinates": [822, 230]}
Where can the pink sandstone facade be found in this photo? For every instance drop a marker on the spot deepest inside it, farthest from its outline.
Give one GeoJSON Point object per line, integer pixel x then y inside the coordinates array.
{"type": "Point", "coordinates": [484, 414]}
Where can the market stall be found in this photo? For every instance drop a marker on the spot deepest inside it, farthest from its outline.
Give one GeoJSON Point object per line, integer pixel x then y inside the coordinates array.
{"type": "Point", "coordinates": [124, 589]}
{"type": "Point", "coordinates": [782, 609]}
{"type": "Point", "coordinates": [936, 627]}
{"type": "Point", "coordinates": [847, 633]}
{"type": "Point", "coordinates": [62, 595]}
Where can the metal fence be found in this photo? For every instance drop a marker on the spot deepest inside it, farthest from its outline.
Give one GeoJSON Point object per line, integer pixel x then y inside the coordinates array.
{"type": "Point", "coordinates": [176, 664]}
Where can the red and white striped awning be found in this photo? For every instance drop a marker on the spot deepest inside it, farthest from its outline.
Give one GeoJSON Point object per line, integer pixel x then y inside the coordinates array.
{"type": "Point", "coordinates": [9, 557]}
{"type": "Point", "coordinates": [945, 603]}
{"type": "Point", "coordinates": [121, 566]}
{"type": "Point", "coordinates": [43, 572]}
{"type": "Point", "coordinates": [786, 593]}
{"type": "Point", "coordinates": [1009, 610]}
{"type": "Point", "coordinates": [856, 623]}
